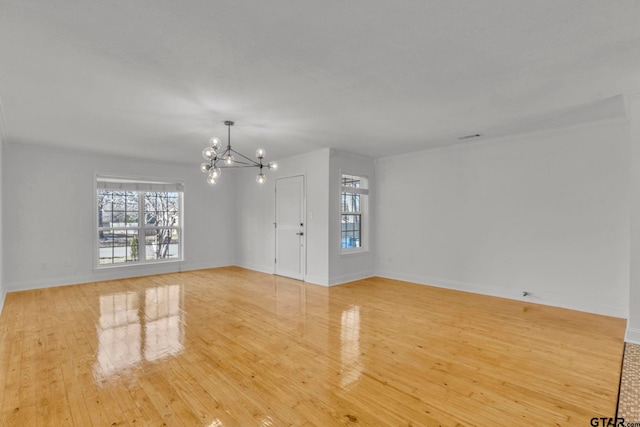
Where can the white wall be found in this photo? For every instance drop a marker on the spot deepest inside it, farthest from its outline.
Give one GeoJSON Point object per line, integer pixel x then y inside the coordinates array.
{"type": "Point", "coordinates": [49, 218]}
{"type": "Point", "coordinates": [255, 211]}
{"type": "Point", "coordinates": [545, 213]}
{"type": "Point", "coordinates": [347, 267]}
{"type": "Point", "coordinates": [2, 286]}
{"type": "Point", "coordinates": [633, 323]}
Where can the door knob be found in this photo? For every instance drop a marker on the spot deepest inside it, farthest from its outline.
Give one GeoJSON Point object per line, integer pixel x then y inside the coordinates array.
{"type": "Point", "coordinates": [300, 234]}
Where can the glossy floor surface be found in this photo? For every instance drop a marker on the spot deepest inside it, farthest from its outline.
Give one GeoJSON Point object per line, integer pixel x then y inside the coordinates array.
{"type": "Point", "coordinates": [231, 347]}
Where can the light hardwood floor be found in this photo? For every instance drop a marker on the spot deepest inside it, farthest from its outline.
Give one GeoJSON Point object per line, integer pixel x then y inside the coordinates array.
{"type": "Point", "coordinates": [232, 347]}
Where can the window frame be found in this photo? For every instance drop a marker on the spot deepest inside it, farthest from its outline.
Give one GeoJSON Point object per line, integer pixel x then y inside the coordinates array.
{"type": "Point", "coordinates": [363, 212]}
{"type": "Point", "coordinates": [139, 186]}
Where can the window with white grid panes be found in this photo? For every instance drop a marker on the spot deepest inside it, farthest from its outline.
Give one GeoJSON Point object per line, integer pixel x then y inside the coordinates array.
{"type": "Point", "coordinates": [136, 225]}
{"type": "Point", "coordinates": [353, 202]}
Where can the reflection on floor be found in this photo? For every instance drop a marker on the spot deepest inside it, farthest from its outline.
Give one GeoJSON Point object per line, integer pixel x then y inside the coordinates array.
{"type": "Point", "coordinates": [350, 347]}
{"type": "Point", "coordinates": [233, 347]}
{"type": "Point", "coordinates": [136, 326]}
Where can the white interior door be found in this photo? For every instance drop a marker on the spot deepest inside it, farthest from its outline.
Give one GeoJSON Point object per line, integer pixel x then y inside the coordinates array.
{"type": "Point", "coordinates": [290, 239]}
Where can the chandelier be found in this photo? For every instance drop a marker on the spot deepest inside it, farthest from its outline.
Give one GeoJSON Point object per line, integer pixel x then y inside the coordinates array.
{"type": "Point", "coordinates": [217, 160]}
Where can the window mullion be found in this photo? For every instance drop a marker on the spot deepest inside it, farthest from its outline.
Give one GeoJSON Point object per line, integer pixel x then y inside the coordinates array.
{"type": "Point", "coordinates": [142, 237]}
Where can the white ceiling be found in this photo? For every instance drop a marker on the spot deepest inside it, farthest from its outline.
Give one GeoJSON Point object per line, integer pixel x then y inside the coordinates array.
{"type": "Point", "coordinates": [157, 78]}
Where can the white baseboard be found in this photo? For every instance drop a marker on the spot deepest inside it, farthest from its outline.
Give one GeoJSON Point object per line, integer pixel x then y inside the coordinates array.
{"type": "Point", "coordinates": [632, 335]}
{"type": "Point", "coordinates": [112, 274]}
{"type": "Point", "coordinates": [346, 278]}
{"type": "Point", "coordinates": [309, 278]}
{"type": "Point", "coordinates": [3, 295]}
{"type": "Point", "coordinates": [317, 280]}
{"type": "Point", "coordinates": [256, 267]}
{"type": "Point", "coordinates": [547, 299]}
{"type": "Point", "coordinates": [191, 266]}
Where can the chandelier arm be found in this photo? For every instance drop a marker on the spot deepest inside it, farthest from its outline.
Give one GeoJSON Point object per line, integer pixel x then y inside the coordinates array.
{"type": "Point", "coordinates": [238, 165]}
{"type": "Point", "coordinates": [223, 154]}
{"type": "Point", "coordinates": [242, 155]}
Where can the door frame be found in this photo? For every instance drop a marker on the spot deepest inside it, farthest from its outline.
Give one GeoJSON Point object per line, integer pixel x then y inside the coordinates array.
{"type": "Point", "coordinates": [304, 221]}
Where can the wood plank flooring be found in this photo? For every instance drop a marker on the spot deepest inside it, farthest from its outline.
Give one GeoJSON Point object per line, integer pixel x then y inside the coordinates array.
{"type": "Point", "coordinates": [232, 347]}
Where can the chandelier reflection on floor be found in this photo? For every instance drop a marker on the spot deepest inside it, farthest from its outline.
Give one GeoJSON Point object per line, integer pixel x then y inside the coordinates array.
{"type": "Point", "coordinates": [229, 158]}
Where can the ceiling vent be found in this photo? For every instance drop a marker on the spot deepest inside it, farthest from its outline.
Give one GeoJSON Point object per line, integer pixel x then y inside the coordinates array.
{"type": "Point", "coordinates": [472, 136]}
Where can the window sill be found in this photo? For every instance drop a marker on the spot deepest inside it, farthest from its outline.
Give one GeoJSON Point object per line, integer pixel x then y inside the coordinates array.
{"type": "Point", "coordinates": [357, 251]}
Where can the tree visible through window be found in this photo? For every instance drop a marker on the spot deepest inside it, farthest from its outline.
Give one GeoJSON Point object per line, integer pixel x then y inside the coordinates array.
{"type": "Point", "coordinates": [354, 196]}
{"type": "Point", "coordinates": [138, 226]}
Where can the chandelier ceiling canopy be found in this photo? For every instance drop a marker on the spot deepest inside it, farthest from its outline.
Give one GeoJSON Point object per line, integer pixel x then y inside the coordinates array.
{"type": "Point", "coordinates": [216, 160]}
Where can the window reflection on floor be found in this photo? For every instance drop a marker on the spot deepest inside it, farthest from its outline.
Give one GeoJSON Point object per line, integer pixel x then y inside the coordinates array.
{"type": "Point", "coordinates": [133, 328]}
{"type": "Point", "coordinates": [350, 347]}
{"type": "Point", "coordinates": [163, 328]}
{"type": "Point", "coordinates": [119, 332]}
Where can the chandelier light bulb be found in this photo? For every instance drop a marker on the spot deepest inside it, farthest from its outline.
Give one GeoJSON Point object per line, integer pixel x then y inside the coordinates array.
{"type": "Point", "coordinates": [208, 153]}
{"type": "Point", "coordinates": [272, 165]}
{"type": "Point", "coordinates": [211, 180]}
{"type": "Point", "coordinates": [204, 168]}
{"type": "Point", "coordinates": [229, 159]}
{"type": "Point", "coordinates": [215, 172]}
{"type": "Point", "coordinates": [214, 143]}
{"type": "Point", "coordinates": [260, 153]}
{"type": "Point", "coordinates": [261, 178]}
